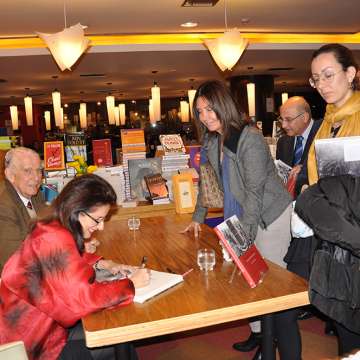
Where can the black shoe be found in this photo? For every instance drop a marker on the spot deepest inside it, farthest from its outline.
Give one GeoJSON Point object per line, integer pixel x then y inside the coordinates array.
{"type": "Point", "coordinates": [330, 328]}
{"type": "Point", "coordinates": [305, 315]}
{"type": "Point", "coordinates": [251, 343]}
{"type": "Point", "coordinates": [258, 354]}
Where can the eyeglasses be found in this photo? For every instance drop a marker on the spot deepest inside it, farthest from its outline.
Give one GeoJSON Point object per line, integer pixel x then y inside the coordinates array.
{"type": "Point", "coordinates": [327, 77]}
{"type": "Point", "coordinates": [97, 221]}
{"type": "Point", "coordinates": [31, 171]}
{"type": "Point", "coordinates": [281, 120]}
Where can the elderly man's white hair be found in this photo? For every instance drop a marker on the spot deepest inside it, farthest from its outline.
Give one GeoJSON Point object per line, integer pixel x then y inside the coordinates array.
{"type": "Point", "coordinates": [17, 152]}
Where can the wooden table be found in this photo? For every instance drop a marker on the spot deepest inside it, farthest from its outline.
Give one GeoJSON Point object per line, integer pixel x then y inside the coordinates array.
{"type": "Point", "coordinates": [201, 300]}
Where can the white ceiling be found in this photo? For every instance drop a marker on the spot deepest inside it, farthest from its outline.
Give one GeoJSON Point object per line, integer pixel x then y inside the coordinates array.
{"type": "Point", "coordinates": [129, 68]}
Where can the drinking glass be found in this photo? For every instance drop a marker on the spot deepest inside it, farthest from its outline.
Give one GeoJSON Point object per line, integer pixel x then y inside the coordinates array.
{"type": "Point", "coordinates": [134, 223]}
{"type": "Point", "coordinates": [206, 259]}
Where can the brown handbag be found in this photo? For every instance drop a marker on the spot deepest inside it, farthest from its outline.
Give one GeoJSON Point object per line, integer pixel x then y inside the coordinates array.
{"type": "Point", "coordinates": [211, 194]}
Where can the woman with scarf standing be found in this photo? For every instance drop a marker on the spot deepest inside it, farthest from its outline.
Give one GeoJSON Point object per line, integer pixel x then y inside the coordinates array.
{"type": "Point", "coordinates": [334, 76]}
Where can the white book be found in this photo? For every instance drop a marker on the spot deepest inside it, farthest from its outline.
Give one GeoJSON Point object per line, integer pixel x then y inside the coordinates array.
{"type": "Point", "coordinates": [160, 281]}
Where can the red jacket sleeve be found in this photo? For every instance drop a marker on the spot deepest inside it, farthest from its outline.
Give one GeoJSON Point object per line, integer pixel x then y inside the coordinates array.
{"type": "Point", "coordinates": [50, 274]}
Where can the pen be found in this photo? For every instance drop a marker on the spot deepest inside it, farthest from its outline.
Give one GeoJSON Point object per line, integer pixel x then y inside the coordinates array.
{"type": "Point", "coordinates": [187, 272]}
{"type": "Point", "coordinates": [143, 262]}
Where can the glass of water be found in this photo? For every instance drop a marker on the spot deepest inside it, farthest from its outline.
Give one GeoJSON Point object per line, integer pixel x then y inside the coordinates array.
{"type": "Point", "coordinates": [134, 223]}
{"type": "Point", "coordinates": [206, 259]}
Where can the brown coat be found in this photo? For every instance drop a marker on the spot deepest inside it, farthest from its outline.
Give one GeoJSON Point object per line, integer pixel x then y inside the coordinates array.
{"type": "Point", "coordinates": [14, 219]}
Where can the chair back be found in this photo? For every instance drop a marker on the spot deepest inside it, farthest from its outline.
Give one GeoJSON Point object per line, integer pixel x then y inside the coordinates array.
{"type": "Point", "coordinates": [13, 351]}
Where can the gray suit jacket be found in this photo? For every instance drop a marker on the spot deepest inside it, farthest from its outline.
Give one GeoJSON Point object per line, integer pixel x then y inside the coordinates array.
{"type": "Point", "coordinates": [253, 179]}
{"type": "Point", "coordinates": [14, 219]}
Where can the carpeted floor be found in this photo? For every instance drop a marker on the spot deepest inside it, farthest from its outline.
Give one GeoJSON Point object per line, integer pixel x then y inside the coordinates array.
{"type": "Point", "coordinates": [215, 343]}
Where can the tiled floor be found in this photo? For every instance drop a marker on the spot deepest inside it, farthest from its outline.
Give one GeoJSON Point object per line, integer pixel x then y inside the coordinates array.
{"type": "Point", "coordinates": [215, 343]}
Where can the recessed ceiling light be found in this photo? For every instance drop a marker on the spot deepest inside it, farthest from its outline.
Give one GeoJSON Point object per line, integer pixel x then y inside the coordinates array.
{"type": "Point", "coordinates": [189, 24]}
{"type": "Point", "coordinates": [245, 20]}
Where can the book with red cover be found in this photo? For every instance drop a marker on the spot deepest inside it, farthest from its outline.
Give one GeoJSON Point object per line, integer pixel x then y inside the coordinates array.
{"type": "Point", "coordinates": [102, 154]}
{"type": "Point", "coordinates": [245, 254]}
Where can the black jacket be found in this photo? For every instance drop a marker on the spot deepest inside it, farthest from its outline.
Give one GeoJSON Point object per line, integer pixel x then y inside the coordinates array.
{"type": "Point", "coordinates": [331, 208]}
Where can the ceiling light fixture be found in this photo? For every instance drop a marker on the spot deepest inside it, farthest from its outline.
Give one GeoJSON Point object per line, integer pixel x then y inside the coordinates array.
{"type": "Point", "coordinates": [227, 49]}
{"type": "Point", "coordinates": [189, 24]}
{"type": "Point", "coordinates": [56, 99]}
{"type": "Point", "coordinates": [155, 96]}
{"type": "Point", "coordinates": [47, 120]}
{"type": "Point", "coordinates": [122, 114]}
{"type": "Point", "coordinates": [110, 105]}
{"type": "Point", "coordinates": [151, 112]}
{"type": "Point", "coordinates": [284, 97]}
{"type": "Point", "coordinates": [82, 115]}
{"type": "Point", "coordinates": [191, 96]}
{"type": "Point", "coordinates": [14, 117]}
{"type": "Point", "coordinates": [28, 110]}
{"type": "Point", "coordinates": [66, 46]}
{"type": "Point", "coordinates": [184, 109]}
{"type": "Point", "coordinates": [250, 88]}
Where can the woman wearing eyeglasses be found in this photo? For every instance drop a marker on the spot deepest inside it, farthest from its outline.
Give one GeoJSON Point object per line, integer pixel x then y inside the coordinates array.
{"type": "Point", "coordinates": [333, 70]}
{"type": "Point", "coordinates": [330, 206]}
{"type": "Point", "coordinates": [49, 284]}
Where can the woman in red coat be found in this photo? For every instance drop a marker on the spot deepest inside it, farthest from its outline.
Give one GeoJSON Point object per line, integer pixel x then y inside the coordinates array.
{"type": "Point", "coordinates": [48, 284]}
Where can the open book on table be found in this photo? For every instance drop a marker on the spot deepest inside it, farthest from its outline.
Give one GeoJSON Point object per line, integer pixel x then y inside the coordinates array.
{"type": "Point", "coordinates": [160, 281]}
{"type": "Point", "coordinates": [245, 254]}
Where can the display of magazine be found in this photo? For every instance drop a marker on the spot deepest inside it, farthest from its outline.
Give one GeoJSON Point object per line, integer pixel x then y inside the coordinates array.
{"type": "Point", "coordinates": [242, 251]}
{"type": "Point", "coordinates": [338, 156]}
{"type": "Point", "coordinates": [283, 170]}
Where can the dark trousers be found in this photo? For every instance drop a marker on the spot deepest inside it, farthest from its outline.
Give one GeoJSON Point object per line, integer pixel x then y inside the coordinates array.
{"type": "Point", "coordinates": [287, 334]}
{"type": "Point", "coordinates": [75, 348]}
{"type": "Point", "coordinates": [347, 340]}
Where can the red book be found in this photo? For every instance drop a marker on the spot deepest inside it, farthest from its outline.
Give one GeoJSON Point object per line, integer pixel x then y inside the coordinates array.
{"type": "Point", "coordinates": [245, 255]}
{"type": "Point", "coordinates": [102, 154]}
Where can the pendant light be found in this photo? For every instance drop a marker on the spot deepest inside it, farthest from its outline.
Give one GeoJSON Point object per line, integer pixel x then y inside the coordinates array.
{"type": "Point", "coordinates": [227, 49]}
{"type": "Point", "coordinates": [250, 87]}
{"type": "Point", "coordinates": [47, 120]}
{"type": "Point", "coordinates": [14, 117]}
{"type": "Point", "coordinates": [28, 110]}
{"type": "Point", "coordinates": [155, 96]}
{"type": "Point", "coordinates": [122, 114]}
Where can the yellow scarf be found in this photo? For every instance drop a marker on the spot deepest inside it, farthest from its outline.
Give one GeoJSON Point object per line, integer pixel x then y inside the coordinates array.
{"type": "Point", "coordinates": [349, 114]}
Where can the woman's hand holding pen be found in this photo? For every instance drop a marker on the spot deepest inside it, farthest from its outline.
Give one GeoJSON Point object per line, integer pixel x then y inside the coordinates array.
{"type": "Point", "coordinates": [193, 226]}
{"type": "Point", "coordinates": [141, 276]}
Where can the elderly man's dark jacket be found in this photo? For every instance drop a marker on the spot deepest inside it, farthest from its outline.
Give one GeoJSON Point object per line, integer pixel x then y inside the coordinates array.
{"type": "Point", "coordinates": [14, 219]}
{"type": "Point", "coordinates": [331, 208]}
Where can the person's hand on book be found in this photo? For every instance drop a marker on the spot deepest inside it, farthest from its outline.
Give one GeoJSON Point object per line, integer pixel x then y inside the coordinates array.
{"type": "Point", "coordinates": [141, 277]}
{"type": "Point", "coordinates": [295, 171]}
{"type": "Point", "coordinates": [193, 226]}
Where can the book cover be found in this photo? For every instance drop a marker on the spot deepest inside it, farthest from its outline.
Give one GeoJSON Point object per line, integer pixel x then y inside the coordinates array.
{"type": "Point", "coordinates": [54, 155]}
{"type": "Point", "coordinates": [338, 156]}
{"type": "Point", "coordinates": [245, 254]}
{"type": "Point", "coordinates": [283, 170]}
{"type": "Point", "coordinates": [160, 281]}
{"type": "Point", "coordinates": [102, 154]}
{"type": "Point", "coordinates": [138, 169]}
{"type": "Point", "coordinates": [132, 140]}
{"type": "Point", "coordinates": [156, 185]}
{"type": "Point", "coordinates": [194, 152]}
{"type": "Point", "coordinates": [75, 144]}
{"type": "Point", "coordinates": [172, 144]}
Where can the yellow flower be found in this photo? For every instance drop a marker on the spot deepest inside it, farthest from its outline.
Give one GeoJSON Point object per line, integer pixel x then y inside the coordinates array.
{"type": "Point", "coordinates": [91, 169]}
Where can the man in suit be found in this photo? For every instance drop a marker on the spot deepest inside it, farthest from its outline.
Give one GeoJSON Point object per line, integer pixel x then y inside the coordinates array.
{"type": "Point", "coordinates": [300, 129]}
{"type": "Point", "coordinates": [20, 198]}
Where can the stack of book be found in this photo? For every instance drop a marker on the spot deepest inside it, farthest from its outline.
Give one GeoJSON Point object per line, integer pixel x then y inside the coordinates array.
{"type": "Point", "coordinates": [133, 147]}
{"type": "Point", "coordinates": [174, 159]}
{"type": "Point", "coordinates": [114, 175]}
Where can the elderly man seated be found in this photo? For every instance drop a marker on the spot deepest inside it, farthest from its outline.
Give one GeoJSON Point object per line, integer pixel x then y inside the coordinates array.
{"type": "Point", "coordinates": [20, 197]}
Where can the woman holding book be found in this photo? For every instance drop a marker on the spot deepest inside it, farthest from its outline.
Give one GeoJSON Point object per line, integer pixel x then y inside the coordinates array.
{"type": "Point", "coordinates": [49, 284]}
{"type": "Point", "coordinates": [333, 75]}
{"type": "Point", "coordinates": [252, 191]}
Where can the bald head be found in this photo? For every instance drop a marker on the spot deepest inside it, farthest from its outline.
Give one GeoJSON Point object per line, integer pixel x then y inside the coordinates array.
{"type": "Point", "coordinates": [23, 170]}
{"type": "Point", "coordinates": [296, 115]}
